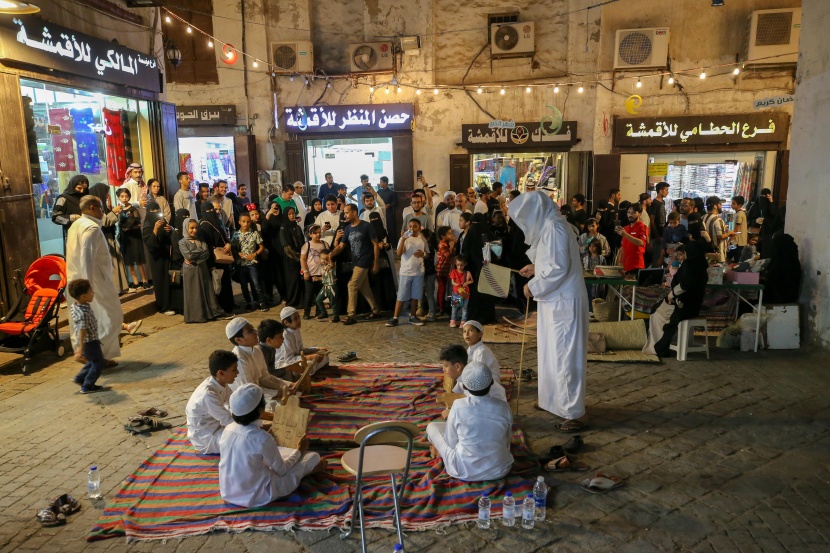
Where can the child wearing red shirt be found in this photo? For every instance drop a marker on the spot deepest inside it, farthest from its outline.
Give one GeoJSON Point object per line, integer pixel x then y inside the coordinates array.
{"type": "Point", "coordinates": [443, 263]}
{"type": "Point", "coordinates": [461, 280]}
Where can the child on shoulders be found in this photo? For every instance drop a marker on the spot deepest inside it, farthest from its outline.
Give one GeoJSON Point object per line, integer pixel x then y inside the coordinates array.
{"type": "Point", "coordinates": [294, 348]}
{"type": "Point", "coordinates": [253, 469]}
{"type": "Point", "coordinates": [207, 415]}
{"type": "Point", "coordinates": [475, 441]}
{"type": "Point", "coordinates": [252, 367]}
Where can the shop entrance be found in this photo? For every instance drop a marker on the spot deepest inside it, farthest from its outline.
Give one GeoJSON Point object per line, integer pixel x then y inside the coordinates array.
{"type": "Point", "coordinates": [209, 159]}
{"type": "Point", "coordinates": [514, 171]}
{"type": "Point", "coordinates": [348, 158]}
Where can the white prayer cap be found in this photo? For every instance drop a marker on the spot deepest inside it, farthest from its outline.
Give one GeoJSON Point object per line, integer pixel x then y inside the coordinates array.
{"type": "Point", "coordinates": [475, 324]}
{"type": "Point", "coordinates": [287, 312]}
{"type": "Point", "coordinates": [448, 193]}
{"type": "Point", "coordinates": [245, 399]}
{"type": "Point", "coordinates": [299, 183]}
{"type": "Point", "coordinates": [475, 377]}
{"type": "Point", "coordinates": [233, 327]}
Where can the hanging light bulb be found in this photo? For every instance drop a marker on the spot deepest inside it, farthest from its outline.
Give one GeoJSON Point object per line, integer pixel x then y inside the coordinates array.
{"type": "Point", "coordinates": [671, 80]}
{"type": "Point", "coordinates": [737, 71]}
{"type": "Point", "coordinates": [386, 90]}
{"type": "Point", "coordinates": [291, 78]}
{"type": "Point", "coordinates": [435, 91]}
{"type": "Point", "coordinates": [580, 89]}
{"type": "Point", "coordinates": [556, 89]}
{"type": "Point", "coordinates": [189, 30]}
{"type": "Point", "coordinates": [256, 64]}
{"type": "Point", "coordinates": [371, 89]}
{"type": "Point", "coordinates": [418, 92]}
{"type": "Point", "coordinates": [167, 19]}
{"type": "Point", "coordinates": [399, 90]}
{"type": "Point", "coordinates": [210, 43]}
{"type": "Point", "coordinates": [480, 90]}
{"type": "Point", "coordinates": [502, 91]}
{"type": "Point", "coordinates": [394, 81]}
{"type": "Point", "coordinates": [703, 75]}
{"type": "Point", "coordinates": [639, 83]}
{"type": "Point", "coordinates": [527, 90]}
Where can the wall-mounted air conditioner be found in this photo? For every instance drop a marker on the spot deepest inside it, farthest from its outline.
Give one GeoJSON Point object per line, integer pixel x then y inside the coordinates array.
{"type": "Point", "coordinates": [512, 40]}
{"type": "Point", "coordinates": [641, 48]}
{"type": "Point", "coordinates": [292, 57]}
{"type": "Point", "coordinates": [371, 57]}
{"type": "Point", "coordinates": [772, 37]}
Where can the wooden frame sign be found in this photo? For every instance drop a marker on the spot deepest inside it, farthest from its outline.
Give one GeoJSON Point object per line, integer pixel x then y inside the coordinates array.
{"type": "Point", "coordinates": [742, 128]}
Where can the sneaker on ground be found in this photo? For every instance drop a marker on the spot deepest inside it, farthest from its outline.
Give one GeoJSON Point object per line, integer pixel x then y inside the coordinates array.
{"type": "Point", "coordinates": [130, 290]}
{"type": "Point", "coordinates": [94, 388]}
{"type": "Point", "coordinates": [169, 313]}
{"type": "Point", "coordinates": [453, 324]}
{"type": "Point", "coordinates": [133, 327]}
{"type": "Point", "coordinates": [226, 316]}
{"type": "Point", "coordinates": [322, 316]}
{"type": "Point", "coordinates": [416, 321]}
{"type": "Point", "coordinates": [392, 322]}
{"type": "Point", "coordinates": [147, 285]}
{"type": "Point", "coordinates": [264, 308]}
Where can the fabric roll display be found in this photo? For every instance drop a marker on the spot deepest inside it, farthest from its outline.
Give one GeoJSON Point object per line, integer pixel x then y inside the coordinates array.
{"type": "Point", "coordinates": [86, 140]}
{"type": "Point", "coordinates": [62, 144]}
{"type": "Point", "coordinates": [116, 160]}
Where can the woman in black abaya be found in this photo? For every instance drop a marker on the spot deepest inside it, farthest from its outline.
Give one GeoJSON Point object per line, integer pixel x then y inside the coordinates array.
{"type": "Point", "coordinates": [156, 233]}
{"type": "Point", "coordinates": [383, 283]}
{"type": "Point", "coordinates": [482, 307]}
{"type": "Point", "coordinates": [212, 232]}
{"type": "Point", "coordinates": [273, 265]}
{"type": "Point", "coordinates": [177, 261]}
{"type": "Point", "coordinates": [291, 242]}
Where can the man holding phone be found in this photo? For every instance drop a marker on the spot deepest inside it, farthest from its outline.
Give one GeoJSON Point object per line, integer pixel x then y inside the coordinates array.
{"type": "Point", "coordinates": [329, 220]}
{"type": "Point", "coordinates": [360, 237]}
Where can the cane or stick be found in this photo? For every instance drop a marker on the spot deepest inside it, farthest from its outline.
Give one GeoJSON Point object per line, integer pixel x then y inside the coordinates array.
{"type": "Point", "coordinates": [522, 356]}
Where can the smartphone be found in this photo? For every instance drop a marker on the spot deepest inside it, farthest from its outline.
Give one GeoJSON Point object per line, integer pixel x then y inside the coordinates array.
{"type": "Point", "coordinates": [419, 174]}
{"type": "Point", "coordinates": [328, 225]}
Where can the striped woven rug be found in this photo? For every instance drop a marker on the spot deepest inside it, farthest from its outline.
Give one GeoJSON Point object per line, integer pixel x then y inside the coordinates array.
{"type": "Point", "coordinates": [175, 493]}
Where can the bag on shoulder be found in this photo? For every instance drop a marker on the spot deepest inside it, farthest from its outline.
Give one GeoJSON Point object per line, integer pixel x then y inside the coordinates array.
{"type": "Point", "coordinates": [222, 258]}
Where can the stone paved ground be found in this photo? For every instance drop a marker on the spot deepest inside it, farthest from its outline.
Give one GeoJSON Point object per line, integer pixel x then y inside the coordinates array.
{"type": "Point", "coordinates": [724, 455]}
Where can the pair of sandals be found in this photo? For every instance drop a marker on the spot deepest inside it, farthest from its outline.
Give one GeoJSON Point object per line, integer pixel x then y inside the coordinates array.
{"type": "Point", "coordinates": [558, 457]}
{"type": "Point", "coordinates": [346, 357]}
{"type": "Point", "coordinates": [147, 421]}
{"type": "Point", "coordinates": [55, 514]}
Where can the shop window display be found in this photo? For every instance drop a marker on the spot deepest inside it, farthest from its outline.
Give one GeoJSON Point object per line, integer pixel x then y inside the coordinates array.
{"type": "Point", "coordinates": [515, 171]}
{"type": "Point", "coordinates": [73, 132]}
{"type": "Point", "coordinates": [208, 159]}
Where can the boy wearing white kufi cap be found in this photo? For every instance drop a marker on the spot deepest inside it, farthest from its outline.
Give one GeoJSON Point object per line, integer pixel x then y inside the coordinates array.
{"type": "Point", "coordinates": [475, 441]}
{"type": "Point", "coordinates": [293, 347]}
{"type": "Point", "coordinates": [253, 469]}
{"type": "Point", "coordinates": [252, 366]}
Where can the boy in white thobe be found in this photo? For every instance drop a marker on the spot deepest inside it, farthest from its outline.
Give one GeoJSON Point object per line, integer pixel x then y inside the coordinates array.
{"type": "Point", "coordinates": [473, 334]}
{"type": "Point", "coordinates": [253, 469]}
{"type": "Point", "coordinates": [207, 415]}
{"type": "Point", "coordinates": [252, 367]}
{"type": "Point", "coordinates": [453, 360]}
{"type": "Point", "coordinates": [293, 347]}
{"type": "Point", "coordinates": [475, 441]}
{"type": "Point", "coordinates": [559, 288]}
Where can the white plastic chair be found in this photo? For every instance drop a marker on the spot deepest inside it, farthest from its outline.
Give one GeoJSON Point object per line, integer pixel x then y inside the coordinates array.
{"type": "Point", "coordinates": [376, 457]}
{"type": "Point", "coordinates": [686, 342]}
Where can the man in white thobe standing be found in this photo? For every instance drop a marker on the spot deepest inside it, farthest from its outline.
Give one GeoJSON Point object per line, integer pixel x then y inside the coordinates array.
{"type": "Point", "coordinates": [302, 210]}
{"type": "Point", "coordinates": [559, 288]}
{"type": "Point", "coordinates": [87, 256]}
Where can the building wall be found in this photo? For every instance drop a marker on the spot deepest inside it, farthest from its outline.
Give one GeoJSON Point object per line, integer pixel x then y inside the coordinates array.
{"type": "Point", "coordinates": [809, 169]}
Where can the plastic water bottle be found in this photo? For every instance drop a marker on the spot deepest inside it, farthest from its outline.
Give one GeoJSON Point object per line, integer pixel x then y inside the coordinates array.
{"type": "Point", "coordinates": [540, 497]}
{"type": "Point", "coordinates": [93, 479]}
{"type": "Point", "coordinates": [528, 506]}
{"type": "Point", "coordinates": [508, 516]}
{"type": "Point", "coordinates": [398, 548]}
{"type": "Point", "coordinates": [484, 512]}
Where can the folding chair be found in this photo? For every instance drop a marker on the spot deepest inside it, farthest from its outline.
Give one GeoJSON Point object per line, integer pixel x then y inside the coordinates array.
{"type": "Point", "coordinates": [376, 457]}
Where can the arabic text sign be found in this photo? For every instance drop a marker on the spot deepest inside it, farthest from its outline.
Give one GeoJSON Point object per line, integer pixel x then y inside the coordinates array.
{"type": "Point", "coordinates": [741, 128]}
{"type": "Point", "coordinates": [354, 118]}
{"type": "Point", "coordinates": [191, 116]}
{"type": "Point", "coordinates": [774, 102]}
{"type": "Point", "coordinates": [32, 41]}
{"type": "Point", "coordinates": [522, 136]}
{"type": "Point", "coordinates": [658, 169]}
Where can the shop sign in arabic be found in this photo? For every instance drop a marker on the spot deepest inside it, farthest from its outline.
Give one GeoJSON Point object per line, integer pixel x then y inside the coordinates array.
{"type": "Point", "coordinates": [354, 118]}
{"type": "Point", "coordinates": [191, 116]}
{"type": "Point", "coordinates": [716, 129]}
{"type": "Point", "coordinates": [32, 41]}
{"type": "Point", "coordinates": [774, 102]}
{"type": "Point", "coordinates": [522, 135]}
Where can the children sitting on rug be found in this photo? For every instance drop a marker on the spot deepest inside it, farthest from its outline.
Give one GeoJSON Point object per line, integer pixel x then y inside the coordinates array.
{"type": "Point", "coordinates": [271, 342]}
{"type": "Point", "coordinates": [453, 360]}
{"type": "Point", "coordinates": [252, 367]}
{"type": "Point", "coordinates": [476, 351]}
{"type": "Point", "coordinates": [475, 441]}
{"type": "Point", "coordinates": [293, 347]}
{"type": "Point", "coordinates": [206, 413]}
{"type": "Point", "coordinates": [253, 469]}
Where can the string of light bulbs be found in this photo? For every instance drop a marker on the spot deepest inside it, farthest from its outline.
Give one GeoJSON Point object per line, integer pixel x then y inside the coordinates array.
{"type": "Point", "coordinates": [229, 51]}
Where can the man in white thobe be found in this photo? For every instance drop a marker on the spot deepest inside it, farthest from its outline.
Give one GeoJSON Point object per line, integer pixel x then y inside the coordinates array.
{"type": "Point", "coordinates": [373, 204]}
{"type": "Point", "coordinates": [475, 441]}
{"type": "Point", "coordinates": [88, 256]}
{"type": "Point", "coordinates": [559, 289]}
{"type": "Point", "coordinates": [331, 216]}
{"type": "Point", "coordinates": [449, 218]}
{"type": "Point", "coordinates": [302, 210]}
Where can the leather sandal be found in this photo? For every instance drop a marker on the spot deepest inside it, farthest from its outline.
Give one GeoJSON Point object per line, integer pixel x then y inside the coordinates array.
{"type": "Point", "coordinates": [565, 464]}
{"type": "Point", "coordinates": [49, 518]}
{"type": "Point", "coordinates": [65, 504]}
{"type": "Point", "coordinates": [153, 412]}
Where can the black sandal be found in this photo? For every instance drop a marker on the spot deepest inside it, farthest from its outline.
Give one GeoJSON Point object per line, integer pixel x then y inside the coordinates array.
{"type": "Point", "coordinates": [570, 426]}
{"type": "Point", "coordinates": [65, 504]}
{"type": "Point", "coordinates": [49, 518]}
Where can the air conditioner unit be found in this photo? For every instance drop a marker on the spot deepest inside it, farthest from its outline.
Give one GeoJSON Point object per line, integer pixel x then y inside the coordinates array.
{"type": "Point", "coordinates": [772, 37]}
{"type": "Point", "coordinates": [512, 40]}
{"type": "Point", "coordinates": [371, 57]}
{"type": "Point", "coordinates": [641, 48]}
{"type": "Point", "coordinates": [292, 57]}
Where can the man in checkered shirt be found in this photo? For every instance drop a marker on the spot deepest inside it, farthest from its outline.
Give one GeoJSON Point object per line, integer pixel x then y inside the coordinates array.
{"type": "Point", "coordinates": [86, 328]}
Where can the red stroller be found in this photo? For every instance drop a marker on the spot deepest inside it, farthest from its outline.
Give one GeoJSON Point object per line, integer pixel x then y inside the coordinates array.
{"type": "Point", "coordinates": [31, 318]}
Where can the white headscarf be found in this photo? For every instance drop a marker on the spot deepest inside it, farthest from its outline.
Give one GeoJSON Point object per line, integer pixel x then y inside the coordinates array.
{"type": "Point", "coordinates": [530, 211]}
